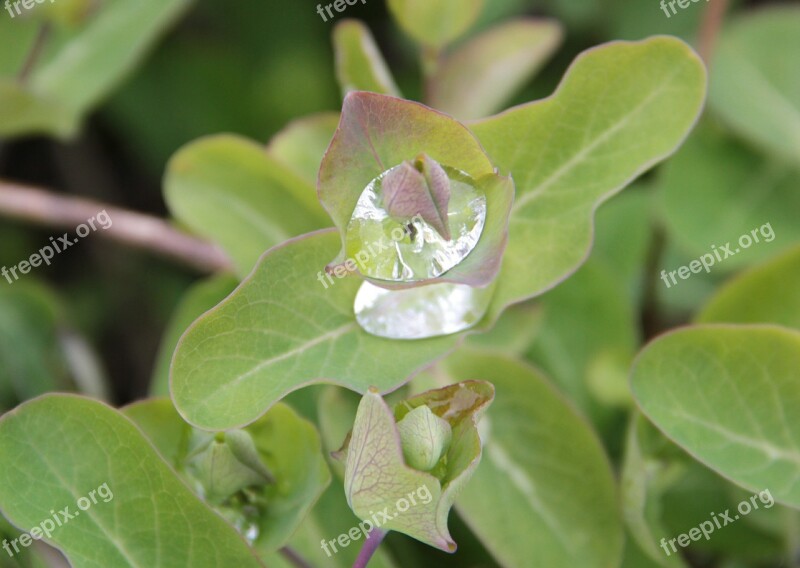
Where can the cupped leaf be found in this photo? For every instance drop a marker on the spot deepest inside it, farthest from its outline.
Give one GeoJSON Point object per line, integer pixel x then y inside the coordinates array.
{"type": "Point", "coordinates": [754, 85]}
{"type": "Point", "coordinates": [728, 395]}
{"type": "Point", "coordinates": [228, 189]}
{"type": "Point", "coordinates": [761, 198]}
{"type": "Point", "coordinates": [477, 78]}
{"type": "Point", "coordinates": [620, 109]}
{"type": "Point", "coordinates": [377, 133]}
{"type": "Point", "coordinates": [84, 63]}
{"type": "Point", "coordinates": [378, 477]}
{"type": "Point", "coordinates": [359, 64]}
{"type": "Point", "coordinates": [240, 358]}
{"type": "Point", "coordinates": [435, 23]}
{"type": "Point", "coordinates": [301, 145]}
{"type": "Point", "coordinates": [66, 448]}
{"type": "Point", "coordinates": [285, 453]}
{"type": "Point", "coordinates": [544, 494]}
{"type": "Point", "coordinates": [767, 293]}
{"type": "Point", "coordinates": [196, 301]}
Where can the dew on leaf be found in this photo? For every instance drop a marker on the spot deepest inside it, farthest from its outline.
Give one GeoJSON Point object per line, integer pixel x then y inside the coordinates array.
{"type": "Point", "coordinates": [409, 248]}
{"type": "Point", "coordinates": [421, 312]}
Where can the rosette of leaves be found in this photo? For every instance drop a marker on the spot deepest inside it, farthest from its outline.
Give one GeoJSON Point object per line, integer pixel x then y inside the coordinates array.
{"type": "Point", "coordinates": [403, 182]}
{"type": "Point", "coordinates": [427, 445]}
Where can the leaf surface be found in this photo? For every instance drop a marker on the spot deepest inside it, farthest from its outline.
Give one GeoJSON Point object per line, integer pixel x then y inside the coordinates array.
{"type": "Point", "coordinates": [63, 447]}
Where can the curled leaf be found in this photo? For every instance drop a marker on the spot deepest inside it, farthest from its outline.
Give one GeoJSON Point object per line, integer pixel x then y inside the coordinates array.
{"type": "Point", "coordinates": [378, 476]}
{"type": "Point", "coordinates": [420, 188]}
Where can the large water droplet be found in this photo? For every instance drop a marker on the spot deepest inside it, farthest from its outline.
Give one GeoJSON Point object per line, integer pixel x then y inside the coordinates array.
{"type": "Point", "coordinates": [408, 250]}
{"type": "Point", "coordinates": [421, 312]}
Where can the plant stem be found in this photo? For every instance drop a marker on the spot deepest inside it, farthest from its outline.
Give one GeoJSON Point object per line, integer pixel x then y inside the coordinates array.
{"type": "Point", "coordinates": [372, 543]}
{"type": "Point", "coordinates": [651, 318]}
{"type": "Point", "coordinates": [34, 53]}
{"type": "Point", "coordinates": [133, 229]}
{"type": "Point", "coordinates": [294, 557]}
{"type": "Point", "coordinates": [430, 59]}
{"type": "Point", "coordinates": [713, 16]}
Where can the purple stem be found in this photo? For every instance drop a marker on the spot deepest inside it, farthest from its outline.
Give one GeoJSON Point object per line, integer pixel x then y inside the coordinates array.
{"type": "Point", "coordinates": [372, 543]}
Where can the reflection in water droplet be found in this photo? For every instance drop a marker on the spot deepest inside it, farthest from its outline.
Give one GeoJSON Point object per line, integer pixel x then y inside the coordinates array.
{"type": "Point", "coordinates": [408, 250]}
{"type": "Point", "coordinates": [421, 312]}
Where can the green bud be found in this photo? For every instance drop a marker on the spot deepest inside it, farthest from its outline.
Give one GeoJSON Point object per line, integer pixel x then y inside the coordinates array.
{"type": "Point", "coordinates": [425, 438]}
{"type": "Point", "coordinates": [228, 464]}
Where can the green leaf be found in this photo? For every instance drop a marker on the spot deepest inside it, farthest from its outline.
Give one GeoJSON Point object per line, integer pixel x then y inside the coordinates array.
{"type": "Point", "coordinates": [377, 133]}
{"type": "Point", "coordinates": [477, 78]}
{"type": "Point", "coordinates": [229, 463]}
{"type": "Point", "coordinates": [754, 87]}
{"type": "Point", "coordinates": [287, 448]}
{"type": "Point", "coordinates": [700, 491]}
{"type": "Point", "coordinates": [291, 448]}
{"type": "Point", "coordinates": [764, 294]}
{"type": "Point", "coordinates": [301, 145]}
{"type": "Point", "coordinates": [623, 236]}
{"type": "Point", "coordinates": [39, 555]}
{"type": "Point", "coordinates": [378, 477]}
{"type": "Point", "coordinates": [196, 301]}
{"type": "Point", "coordinates": [728, 394]}
{"type": "Point", "coordinates": [82, 65]}
{"type": "Point", "coordinates": [651, 464]}
{"type": "Point", "coordinates": [544, 494]}
{"type": "Point", "coordinates": [32, 360]}
{"type": "Point", "coordinates": [240, 358]}
{"type": "Point", "coordinates": [229, 190]}
{"type": "Point", "coordinates": [513, 333]}
{"type": "Point", "coordinates": [330, 518]}
{"type": "Point", "coordinates": [620, 109]}
{"type": "Point", "coordinates": [22, 112]}
{"type": "Point", "coordinates": [571, 342]}
{"type": "Point", "coordinates": [64, 447]}
{"type": "Point", "coordinates": [761, 197]}
{"type": "Point", "coordinates": [359, 64]}
{"type": "Point", "coordinates": [435, 23]}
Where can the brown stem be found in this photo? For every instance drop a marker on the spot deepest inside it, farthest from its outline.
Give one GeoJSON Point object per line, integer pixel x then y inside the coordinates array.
{"type": "Point", "coordinates": [294, 557]}
{"type": "Point", "coordinates": [127, 227]}
{"type": "Point", "coordinates": [34, 53]}
{"type": "Point", "coordinates": [709, 28]}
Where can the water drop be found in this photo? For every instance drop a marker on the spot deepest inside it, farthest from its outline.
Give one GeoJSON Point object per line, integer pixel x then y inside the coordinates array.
{"type": "Point", "coordinates": [421, 312]}
{"type": "Point", "coordinates": [410, 249]}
